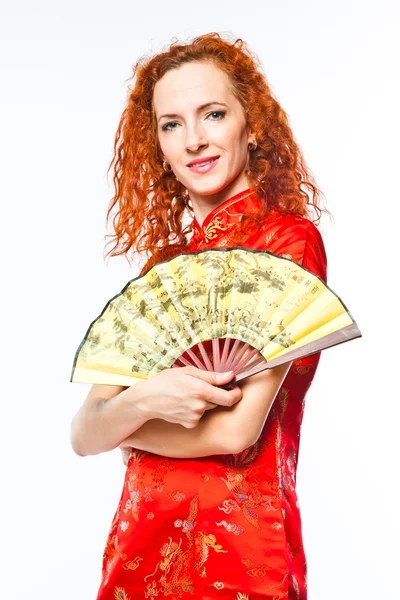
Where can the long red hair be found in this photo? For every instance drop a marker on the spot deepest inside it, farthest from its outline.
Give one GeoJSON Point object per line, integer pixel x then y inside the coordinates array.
{"type": "Point", "coordinates": [151, 202]}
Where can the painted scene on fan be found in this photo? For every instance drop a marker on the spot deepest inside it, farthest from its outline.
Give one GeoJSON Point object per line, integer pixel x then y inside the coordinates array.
{"type": "Point", "coordinates": [262, 299]}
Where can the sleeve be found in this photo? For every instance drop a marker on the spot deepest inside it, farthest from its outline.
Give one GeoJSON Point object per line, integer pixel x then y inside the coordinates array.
{"type": "Point", "coordinates": [299, 239]}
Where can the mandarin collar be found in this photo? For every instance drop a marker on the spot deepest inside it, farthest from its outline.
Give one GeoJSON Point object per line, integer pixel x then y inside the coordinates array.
{"type": "Point", "coordinates": [220, 218]}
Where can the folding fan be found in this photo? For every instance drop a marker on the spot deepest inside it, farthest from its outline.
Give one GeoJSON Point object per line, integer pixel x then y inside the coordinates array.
{"type": "Point", "coordinates": [217, 309]}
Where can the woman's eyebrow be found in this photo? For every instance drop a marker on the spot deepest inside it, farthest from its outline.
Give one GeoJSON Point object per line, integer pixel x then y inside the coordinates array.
{"type": "Point", "coordinates": [199, 108]}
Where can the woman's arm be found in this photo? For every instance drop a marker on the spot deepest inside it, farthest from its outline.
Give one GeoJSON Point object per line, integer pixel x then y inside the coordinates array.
{"type": "Point", "coordinates": [220, 431]}
{"type": "Point", "coordinates": [108, 414]}
{"type": "Point", "coordinates": [180, 396]}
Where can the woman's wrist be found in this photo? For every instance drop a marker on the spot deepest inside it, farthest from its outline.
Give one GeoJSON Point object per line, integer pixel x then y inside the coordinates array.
{"type": "Point", "coordinates": [134, 403]}
{"type": "Point", "coordinates": [103, 423]}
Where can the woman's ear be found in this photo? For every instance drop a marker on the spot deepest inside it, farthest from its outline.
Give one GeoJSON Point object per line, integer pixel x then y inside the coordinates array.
{"type": "Point", "coordinates": [251, 136]}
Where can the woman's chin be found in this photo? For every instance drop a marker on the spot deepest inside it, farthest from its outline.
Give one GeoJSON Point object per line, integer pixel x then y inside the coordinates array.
{"type": "Point", "coordinates": [206, 188]}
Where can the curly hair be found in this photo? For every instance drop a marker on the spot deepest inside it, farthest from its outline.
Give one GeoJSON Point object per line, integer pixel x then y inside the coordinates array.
{"type": "Point", "coordinates": [151, 202]}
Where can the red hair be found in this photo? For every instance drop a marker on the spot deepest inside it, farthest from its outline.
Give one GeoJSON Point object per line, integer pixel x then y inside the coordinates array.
{"type": "Point", "coordinates": [150, 201]}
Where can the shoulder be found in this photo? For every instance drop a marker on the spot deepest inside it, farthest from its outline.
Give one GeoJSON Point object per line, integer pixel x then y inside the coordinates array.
{"type": "Point", "coordinates": [293, 224]}
{"type": "Point", "coordinates": [297, 238]}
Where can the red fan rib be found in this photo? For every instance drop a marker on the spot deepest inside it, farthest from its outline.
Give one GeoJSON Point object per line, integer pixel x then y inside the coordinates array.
{"type": "Point", "coordinates": [246, 360]}
{"type": "Point", "coordinates": [238, 356]}
{"type": "Point", "coordinates": [225, 353]}
{"type": "Point", "coordinates": [232, 355]}
{"type": "Point", "coordinates": [251, 365]}
{"type": "Point", "coordinates": [205, 356]}
{"type": "Point", "coordinates": [216, 357]}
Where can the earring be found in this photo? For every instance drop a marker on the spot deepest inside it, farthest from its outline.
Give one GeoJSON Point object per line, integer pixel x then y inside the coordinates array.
{"type": "Point", "coordinates": [252, 146]}
{"type": "Point", "coordinates": [166, 166]}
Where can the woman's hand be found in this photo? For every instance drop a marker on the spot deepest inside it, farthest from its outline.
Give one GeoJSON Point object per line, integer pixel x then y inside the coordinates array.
{"type": "Point", "coordinates": [181, 395]}
{"type": "Point", "coordinates": [222, 431]}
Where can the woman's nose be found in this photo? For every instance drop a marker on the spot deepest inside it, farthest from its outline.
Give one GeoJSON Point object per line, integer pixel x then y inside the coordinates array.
{"type": "Point", "coordinates": [195, 138]}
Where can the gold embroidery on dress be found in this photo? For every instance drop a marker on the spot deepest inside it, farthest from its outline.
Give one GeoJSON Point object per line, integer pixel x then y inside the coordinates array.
{"type": "Point", "coordinates": [259, 572]}
{"type": "Point", "coordinates": [294, 552]}
{"type": "Point", "coordinates": [164, 467]}
{"type": "Point", "coordinates": [228, 506]}
{"type": "Point", "coordinates": [109, 555]}
{"type": "Point", "coordinates": [242, 481]}
{"type": "Point", "coordinates": [236, 529]}
{"type": "Point", "coordinates": [270, 237]}
{"type": "Point", "coordinates": [247, 562]}
{"type": "Point", "coordinates": [210, 231]}
{"type": "Point", "coordinates": [112, 546]}
{"type": "Point", "coordinates": [177, 496]}
{"type": "Point", "coordinates": [225, 208]}
{"type": "Point", "coordinates": [300, 368]}
{"type": "Point", "coordinates": [240, 215]}
{"type": "Point", "coordinates": [296, 587]}
{"type": "Point", "coordinates": [255, 571]}
{"type": "Point", "coordinates": [178, 562]}
{"type": "Point", "coordinates": [151, 590]}
{"type": "Point", "coordinates": [138, 492]}
{"type": "Point", "coordinates": [281, 404]}
{"type": "Point", "coordinates": [132, 565]}
{"type": "Point", "coordinates": [247, 495]}
{"type": "Point", "coordinates": [279, 595]}
{"type": "Point", "coordinates": [120, 594]}
{"type": "Point", "coordinates": [217, 223]}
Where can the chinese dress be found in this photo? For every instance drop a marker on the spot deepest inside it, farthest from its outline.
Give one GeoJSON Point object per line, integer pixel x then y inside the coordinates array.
{"type": "Point", "coordinates": [224, 527]}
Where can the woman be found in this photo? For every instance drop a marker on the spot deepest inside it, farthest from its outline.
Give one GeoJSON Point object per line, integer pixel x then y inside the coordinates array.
{"type": "Point", "coordinates": [208, 510]}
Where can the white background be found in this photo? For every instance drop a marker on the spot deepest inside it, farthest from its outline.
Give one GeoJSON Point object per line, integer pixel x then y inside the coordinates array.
{"type": "Point", "coordinates": [332, 67]}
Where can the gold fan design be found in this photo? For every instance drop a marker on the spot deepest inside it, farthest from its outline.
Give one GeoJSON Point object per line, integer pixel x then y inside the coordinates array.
{"type": "Point", "coordinates": [257, 310]}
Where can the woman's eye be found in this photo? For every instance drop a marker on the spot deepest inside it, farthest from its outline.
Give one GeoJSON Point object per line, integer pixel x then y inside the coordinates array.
{"type": "Point", "coordinates": [220, 114]}
{"type": "Point", "coordinates": [166, 126]}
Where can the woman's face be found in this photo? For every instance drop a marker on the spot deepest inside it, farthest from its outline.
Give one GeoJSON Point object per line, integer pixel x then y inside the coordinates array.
{"type": "Point", "coordinates": [199, 118]}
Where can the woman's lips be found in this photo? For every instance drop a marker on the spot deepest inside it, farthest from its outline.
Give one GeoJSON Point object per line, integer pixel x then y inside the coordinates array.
{"type": "Point", "coordinates": [204, 168]}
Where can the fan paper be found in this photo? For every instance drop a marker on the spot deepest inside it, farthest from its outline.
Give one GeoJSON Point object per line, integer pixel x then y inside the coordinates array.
{"type": "Point", "coordinates": [274, 306]}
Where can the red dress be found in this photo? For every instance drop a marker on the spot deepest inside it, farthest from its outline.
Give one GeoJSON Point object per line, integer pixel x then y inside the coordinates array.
{"type": "Point", "coordinates": [223, 526]}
